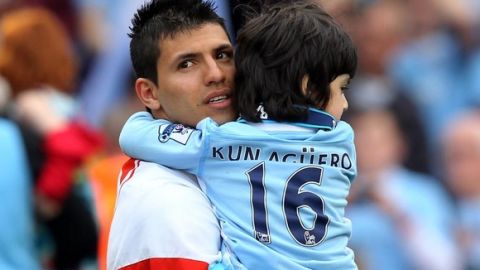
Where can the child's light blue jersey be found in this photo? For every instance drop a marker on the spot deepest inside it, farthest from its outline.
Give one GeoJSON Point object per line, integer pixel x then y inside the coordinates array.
{"type": "Point", "coordinates": [279, 190]}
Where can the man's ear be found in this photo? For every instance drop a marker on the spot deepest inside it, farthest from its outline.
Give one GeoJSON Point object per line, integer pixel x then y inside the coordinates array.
{"type": "Point", "coordinates": [147, 93]}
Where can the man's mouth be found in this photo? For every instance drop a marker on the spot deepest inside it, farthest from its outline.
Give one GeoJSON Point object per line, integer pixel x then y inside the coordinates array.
{"type": "Point", "coordinates": [218, 99]}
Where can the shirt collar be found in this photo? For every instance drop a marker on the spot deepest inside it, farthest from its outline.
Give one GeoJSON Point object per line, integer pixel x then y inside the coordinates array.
{"type": "Point", "coordinates": [315, 119]}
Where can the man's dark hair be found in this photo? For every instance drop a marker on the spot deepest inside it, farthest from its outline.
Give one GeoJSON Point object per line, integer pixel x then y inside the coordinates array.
{"type": "Point", "coordinates": [277, 48]}
{"type": "Point", "coordinates": [160, 19]}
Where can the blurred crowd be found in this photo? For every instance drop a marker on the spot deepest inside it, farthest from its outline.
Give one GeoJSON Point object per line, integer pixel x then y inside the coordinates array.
{"type": "Point", "coordinates": [66, 90]}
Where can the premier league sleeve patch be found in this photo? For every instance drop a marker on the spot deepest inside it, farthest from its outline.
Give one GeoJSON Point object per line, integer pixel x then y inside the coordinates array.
{"type": "Point", "coordinates": [176, 132]}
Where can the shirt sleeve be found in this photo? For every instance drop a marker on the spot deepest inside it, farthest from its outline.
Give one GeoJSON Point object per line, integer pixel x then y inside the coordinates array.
{"type": "Point", "coordinates": [159, 141]}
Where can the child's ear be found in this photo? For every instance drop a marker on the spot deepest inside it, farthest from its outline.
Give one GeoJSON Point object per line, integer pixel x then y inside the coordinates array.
{"type": "Point", "coordinates": [304, 85]}
{"type": "Point", "coordinates": [147, 92]}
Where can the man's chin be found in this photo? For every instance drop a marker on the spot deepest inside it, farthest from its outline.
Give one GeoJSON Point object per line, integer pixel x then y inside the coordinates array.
{"type": "Point", "coordinates": [225, 117]}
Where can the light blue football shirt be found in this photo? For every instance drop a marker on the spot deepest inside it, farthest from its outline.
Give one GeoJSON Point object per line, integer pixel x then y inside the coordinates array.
{"type": "Point", "coordinates": [279, 190]}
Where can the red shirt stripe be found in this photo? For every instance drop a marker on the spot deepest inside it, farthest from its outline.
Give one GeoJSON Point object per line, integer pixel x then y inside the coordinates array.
{"type": "Point", "coordinates": [167, 264]}
{"type": "Point", "coordinates": [128, 169]}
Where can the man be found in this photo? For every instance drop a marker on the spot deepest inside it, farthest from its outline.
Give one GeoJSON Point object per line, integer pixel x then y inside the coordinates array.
{"type": "Point", "coordinates": [461, 149]}
{"type": "Point", "coordinates": [182, 56]}
{"type": "Point", "coordinates": [389, 199]}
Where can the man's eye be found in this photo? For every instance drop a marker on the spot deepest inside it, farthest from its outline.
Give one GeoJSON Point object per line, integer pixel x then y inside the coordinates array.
{"type": "Point", "coordinates": [224, 55]}
{"type": "Point", "coordinates": [185, 64]}
{"type": "Point", "coordinates": [345, 88]}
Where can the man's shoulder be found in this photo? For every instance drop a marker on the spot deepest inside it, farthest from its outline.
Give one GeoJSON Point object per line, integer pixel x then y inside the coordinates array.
{"type": "Point", "coordinates": [150, 187]}
{"type": "Point", "coordinates": [138, 173]}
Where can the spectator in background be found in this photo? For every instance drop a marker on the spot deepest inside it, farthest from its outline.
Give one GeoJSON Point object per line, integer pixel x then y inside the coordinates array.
{"type": "Point", "coordinates": [433, 64]}
{"type": "Point", "coordinates": [37, 61]}
{"type": "Point", "coordinates": [16, 203]}
{"type": "Point", "coordinates": [401, 219]}
{"type": "Point", "coordinates": [461, 146]}
{"type": "Point", "coordinates": [380, 28]}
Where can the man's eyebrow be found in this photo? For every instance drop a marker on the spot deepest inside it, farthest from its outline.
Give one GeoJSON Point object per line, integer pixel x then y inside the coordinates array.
{"type": "Point", "coordinates": [191, 55]}
{"type": "Point", "coordinates": [184, 56]}
{"type": "Point", "coordinates": [223, 47]}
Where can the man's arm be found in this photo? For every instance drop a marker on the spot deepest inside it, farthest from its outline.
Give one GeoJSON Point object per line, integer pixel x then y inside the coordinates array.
{"type": "Point", "coordinates": [162, 220]}
{"type": "Point", "coordinates": [159, 141]}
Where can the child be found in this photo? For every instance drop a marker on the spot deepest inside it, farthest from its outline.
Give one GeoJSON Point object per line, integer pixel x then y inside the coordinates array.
{"type": "Point", "coordinates": [278, 177]}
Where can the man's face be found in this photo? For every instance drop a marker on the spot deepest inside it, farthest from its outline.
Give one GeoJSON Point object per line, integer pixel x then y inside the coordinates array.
{"type": "Point", "coordinates": [462, 158]}
{"type": "Point", "coordinates": [195, 76]}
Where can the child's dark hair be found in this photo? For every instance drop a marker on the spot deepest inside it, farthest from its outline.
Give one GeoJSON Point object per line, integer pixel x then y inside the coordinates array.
{"type": "Point", "coordinates": [159, 19]}
{"type": "Point", "coordinates": [277, 48]}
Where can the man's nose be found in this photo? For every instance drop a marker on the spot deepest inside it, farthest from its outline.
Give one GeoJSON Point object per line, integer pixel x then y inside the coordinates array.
{"type": "Point", "coordinates": [214, 72]}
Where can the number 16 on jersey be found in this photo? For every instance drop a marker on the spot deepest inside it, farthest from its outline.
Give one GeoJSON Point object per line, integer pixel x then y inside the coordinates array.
{"type": "Point", "coordinates": [295, 197]}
